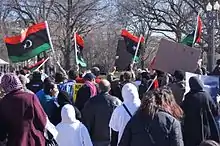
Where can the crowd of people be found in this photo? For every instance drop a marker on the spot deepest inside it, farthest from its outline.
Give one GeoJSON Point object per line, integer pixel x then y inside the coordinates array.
{"type": "Point", "coordinates": [138, 108]}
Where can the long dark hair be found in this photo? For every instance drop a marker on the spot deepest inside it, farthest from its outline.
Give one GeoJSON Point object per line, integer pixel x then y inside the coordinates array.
{"type": "Point", "coordinates": [160, 99]}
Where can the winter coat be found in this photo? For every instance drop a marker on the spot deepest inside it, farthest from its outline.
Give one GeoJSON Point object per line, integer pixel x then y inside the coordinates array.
{"type": "Point", "coordinates": [22, 119]}
{"type": "Point", "coordinates": [162, 130]}
{"type": "Point", "coordinates": [35, 86]}
{"type": "Point", "coordinates": [178, 89]}
{"type": "Point", "coordinates": [96, 116]}
{"type": "Point", "coordinates": [199, 109]}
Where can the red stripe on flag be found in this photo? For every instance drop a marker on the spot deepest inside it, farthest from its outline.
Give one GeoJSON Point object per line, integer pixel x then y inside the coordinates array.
{"type": "Point", "coordinates": [199, 30]}
{"type": "Point", "coordinates": [30, 30]}
{"type": "Point", "coordinates": [125, 33]}
{"type": "Point", "coordinates": [79, 40]}
{"type": "Point", "coordinates": [36, 64]}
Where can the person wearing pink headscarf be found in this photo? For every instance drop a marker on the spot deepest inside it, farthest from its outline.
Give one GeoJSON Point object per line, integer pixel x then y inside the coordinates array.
{"type": "Point", "coordinates": [22, 119]}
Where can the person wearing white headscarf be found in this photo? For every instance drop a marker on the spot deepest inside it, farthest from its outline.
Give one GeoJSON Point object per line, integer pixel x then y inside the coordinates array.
{"type": "Point", "coordinates": [71, 132]}
{"type": "Point", "coordinates": [123, 113]}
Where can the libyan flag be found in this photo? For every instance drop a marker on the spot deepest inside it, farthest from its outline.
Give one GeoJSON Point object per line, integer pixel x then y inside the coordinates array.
{"type": "Point", "coordinates": [131, 42]}
{"type": "Point", "coordinates": [36, 65]}
{"type": "Point", "coordinates": [195, 36]}
{"type": "Point", "coordinates": [79, 56]}
{"type": "Point", "coordinates": [33, 41]}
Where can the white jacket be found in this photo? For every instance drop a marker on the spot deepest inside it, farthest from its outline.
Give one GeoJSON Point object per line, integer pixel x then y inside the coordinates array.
{"type": "Point", "coordinates": [71, 132]}
{"type": "Point", "coordinates": [120, 117]}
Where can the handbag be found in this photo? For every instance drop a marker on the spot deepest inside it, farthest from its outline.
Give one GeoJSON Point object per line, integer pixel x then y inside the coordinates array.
{"type": "Point", "coordinates": [50, 141]}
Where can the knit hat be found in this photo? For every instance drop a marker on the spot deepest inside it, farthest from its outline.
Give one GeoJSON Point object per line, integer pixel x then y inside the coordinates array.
{"type": "Point", "coordinates": [10, 82]}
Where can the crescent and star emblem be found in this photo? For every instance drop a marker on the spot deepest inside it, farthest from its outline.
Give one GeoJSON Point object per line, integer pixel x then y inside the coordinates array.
{"type": "Point", "coordinates": [28, 44]}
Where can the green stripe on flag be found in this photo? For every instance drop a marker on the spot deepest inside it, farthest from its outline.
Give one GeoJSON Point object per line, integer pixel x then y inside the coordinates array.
{"type": "Point", "coordinates": [30, 54]}
{"type": "Point", "coordinates": [136, 59]}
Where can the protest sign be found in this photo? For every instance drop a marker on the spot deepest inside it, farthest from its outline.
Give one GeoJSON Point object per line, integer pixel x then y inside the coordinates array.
{"type": "Point", "coordinates": [76, 88]}
{"type": "Point", "coordinates": [211, 83]}
{"type": "Point", "coordinates": [173, 56]}
{"type": "Point", "coordinates": [123, 57]}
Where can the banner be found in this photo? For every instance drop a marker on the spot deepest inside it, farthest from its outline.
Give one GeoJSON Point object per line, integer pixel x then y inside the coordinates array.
{"type": "Point", "coordinates": [173, 56]}
{"type": "Point", "coordinates": [211, 83]}
{"type": "Point", "coordinates": [76, 88]}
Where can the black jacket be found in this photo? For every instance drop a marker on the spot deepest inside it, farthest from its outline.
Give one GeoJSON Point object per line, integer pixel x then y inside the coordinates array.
{"type": "Point", "coordinates": [162, 130]}
{"type": "Point", "coordinates": [34, 86]}
{"type": "Point", "coordinates": [199, 109]}
{"type": "Point", "coordinates": [96, 116]}
{"type": "Point", "coordinates": [82, 97]}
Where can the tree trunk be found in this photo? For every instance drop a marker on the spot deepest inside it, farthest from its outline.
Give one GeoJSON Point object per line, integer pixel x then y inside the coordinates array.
{"type": "Point", "coordinates": [67, 60]}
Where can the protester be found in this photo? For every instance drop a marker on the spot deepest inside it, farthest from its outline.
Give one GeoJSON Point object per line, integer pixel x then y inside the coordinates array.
{"type": "Point", "coordinates": [87, 91]}
{"type": "Point", "coordinates": [97, 122]}
{"type": "Point", "coordinates": [96, 72]}
{"type": "Point", "coordinates": [59, 78]}
{"type": "Point", "coordinates": [63, 99]}
{"type": "Point", "coordinates": [153, 124]}
{"type": "Point", "coordinates": [178, 87]}
{"type": "Point", "coordinates": [199, 67]}
{"type": "Point", "coordinates": [123, 113]}
{"type": "Point", "coordinates": [40, 94]}
{"type": "Point", "coordinates": [22, 119]}
{"type": "Point", "coordinates": [48, 100]}
{"type": "Point", "coordinates": [68, 85]}
{"type": "Point", "coordinates": [145, 84]}
{"type": "Point", "coordinates": [35, 83]}
{"type": "Point", "coordinates": [216, 71]}
{"type": "Point", "coordinates": [199, 109]}
{"type": "Point", "coordinates": [24, 81]}
{"type": "Point", "coordinates": [71, 132]}
{"type": "Point", "coordinates": [209, 143]}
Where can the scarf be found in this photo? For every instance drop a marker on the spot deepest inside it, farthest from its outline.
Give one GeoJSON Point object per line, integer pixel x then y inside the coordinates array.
{"type": "Point", "coordinates": [93, 90]}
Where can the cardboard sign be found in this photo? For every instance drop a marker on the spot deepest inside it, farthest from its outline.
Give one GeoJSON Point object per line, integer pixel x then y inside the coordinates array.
{"type": "Point", "coordinates": [76, 88]}
{"type": "Point", "coordinates": [211, 83]}
{"type": "Point", "coordinates": [173, 56]}
{"type": "Point", "coordinates": [123, 58]}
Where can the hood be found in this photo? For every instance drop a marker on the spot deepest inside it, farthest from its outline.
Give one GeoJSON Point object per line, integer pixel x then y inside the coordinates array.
{"type": "Point", "coordinates": [195, 84]}
{"type": "Point", "coordinates": [130, 94]}
{"type": "Point", "coordinates": [63, 98]}
{"type": "Point", "coordinates": [68, 114]}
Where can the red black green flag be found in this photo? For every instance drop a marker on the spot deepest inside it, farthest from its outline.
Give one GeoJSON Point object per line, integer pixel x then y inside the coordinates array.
{"type": "Point", "coordinates": [195, 36]}
{"type": "Point", "coordinates": [33, 41]}
{"type": "Point", "coordinates": [80, 46]}
{"type": "Point", "coordinates": [36, 65]}
{"type": "Point", "coordinates": [131, 42]}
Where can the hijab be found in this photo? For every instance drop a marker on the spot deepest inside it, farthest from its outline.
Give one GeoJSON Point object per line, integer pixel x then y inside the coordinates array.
{"type": "Point", "coordinates": [10, 82]}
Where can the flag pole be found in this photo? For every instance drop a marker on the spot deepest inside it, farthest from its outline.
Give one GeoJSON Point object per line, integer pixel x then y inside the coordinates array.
{"type": "Point", "coordinates": [51, 44]}
{"type": "Point", "coordinates": [136, 51]}
{"type": "Point", "coordinates": [151, 84]}
{"type": "Point", "coordinates": [75, 48]}
{"type": "Point", "coordinates": [195, 34]}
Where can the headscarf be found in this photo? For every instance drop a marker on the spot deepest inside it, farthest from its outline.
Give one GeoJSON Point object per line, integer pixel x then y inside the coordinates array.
{"type": "Point", "coordinates": [130, 95]}
{"type": "Point", "coordinates": [63, 98]}
{"type": "Point", "coordinates": [68, 114]}
{"type": "Point", "coordinates": [10, 82]}
{"type": "Point", "coordinates": [93, 89]}
{"type": "Point", "coordinates": [195, 84]}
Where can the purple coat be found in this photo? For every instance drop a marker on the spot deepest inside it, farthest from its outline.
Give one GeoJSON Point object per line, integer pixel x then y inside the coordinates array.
{"type": "Point", "coordinates": [22, 119]}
